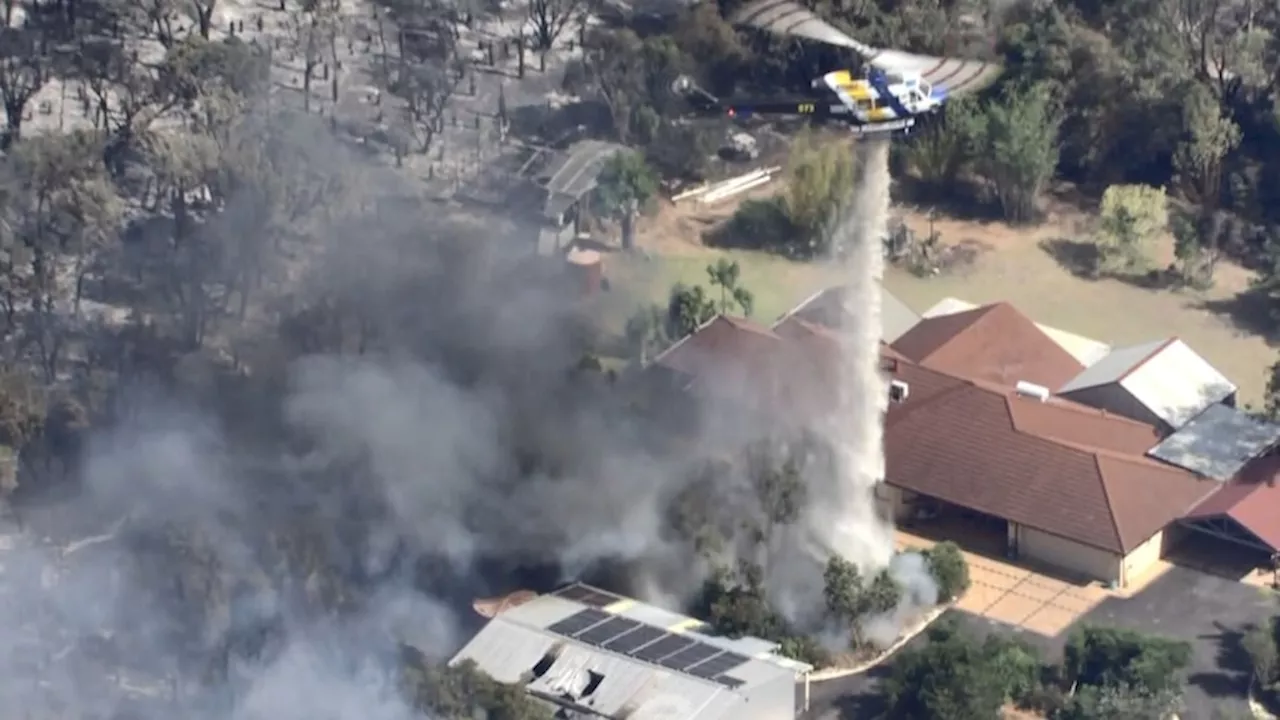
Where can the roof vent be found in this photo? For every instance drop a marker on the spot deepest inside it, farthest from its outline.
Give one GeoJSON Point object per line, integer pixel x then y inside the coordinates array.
{"type": "Point", "coordinates": [1031, 390]}
{"type": "Point", "coordinates": [898, 391]}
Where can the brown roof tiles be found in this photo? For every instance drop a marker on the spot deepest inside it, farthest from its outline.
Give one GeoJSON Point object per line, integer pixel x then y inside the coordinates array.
{"type": "Point", "coordinates": [994, 342]}
{"type": "Point", "coordinates": [1062, 468]}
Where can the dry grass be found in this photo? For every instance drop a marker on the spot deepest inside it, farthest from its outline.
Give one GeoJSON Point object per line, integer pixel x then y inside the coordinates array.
{"type": "Point", "coordinates": [1012, 265]}
{"type": "Point", "coordinates": [1016, 268]}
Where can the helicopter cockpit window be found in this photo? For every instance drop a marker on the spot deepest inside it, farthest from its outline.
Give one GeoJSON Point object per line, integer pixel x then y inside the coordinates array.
{"type": "Point", "coordinates": [925, 88]}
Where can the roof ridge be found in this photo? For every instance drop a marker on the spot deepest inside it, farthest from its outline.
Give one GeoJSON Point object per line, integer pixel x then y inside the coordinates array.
{"type": "Point", "coordinates": [747, 324]}
{"type": "Point", "coordinates": [1106, 494]}
{"type": "Point", "coordinates": [683, 340]}
{"type": "Point", "coordinates": [803, 304]}
{"type": "Point", "coordinates": [1149, 357]}
{"type": "Point", "coordinates": [977, 313]}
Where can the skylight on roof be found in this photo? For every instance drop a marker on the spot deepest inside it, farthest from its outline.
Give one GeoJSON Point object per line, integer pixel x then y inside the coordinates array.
{"type": "Point", "coordinates": [1217, 443]}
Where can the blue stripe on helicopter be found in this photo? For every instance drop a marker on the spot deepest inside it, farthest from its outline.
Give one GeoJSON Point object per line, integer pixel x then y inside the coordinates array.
{"type": "Point", "coordinates": [881, 85]}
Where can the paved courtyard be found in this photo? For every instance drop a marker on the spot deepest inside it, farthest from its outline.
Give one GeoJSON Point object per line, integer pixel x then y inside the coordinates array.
{"type": "Point", "coordinates": [1017, 596]}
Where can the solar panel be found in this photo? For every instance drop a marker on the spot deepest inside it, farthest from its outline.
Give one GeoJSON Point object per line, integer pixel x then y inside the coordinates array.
{"type": "Point", "coordinates": [635, 639]}
{"type": "Point", "coordinates": [578, 622]}
{"type": "Point", "coordinates": [606, 631]}
{"type": "Point", "coordinates": [730, 682]}
{"type": "Point", "coordinates": [693, 655]}
{"type": "Point", "coordinates": [717, 665]}
{"type": "Point", "coordinates": [588, 596]}
{"type": "Point", "coordinates": [662, 648]}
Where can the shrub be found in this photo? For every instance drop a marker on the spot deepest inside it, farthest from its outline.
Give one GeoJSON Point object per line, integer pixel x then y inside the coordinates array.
{"type": "Point", "coordinates": [759, 225]}
{"type": "Point", "coordinates": [949, 569]}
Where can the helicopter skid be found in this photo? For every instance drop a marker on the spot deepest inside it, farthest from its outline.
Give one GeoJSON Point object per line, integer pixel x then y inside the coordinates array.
{"type": "Point", "coordinates": [883, 127]}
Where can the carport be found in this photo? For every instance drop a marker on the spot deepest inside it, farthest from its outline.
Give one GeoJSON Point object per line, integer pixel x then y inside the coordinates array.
{"type": "Point", "coordinates": [1240, 523]}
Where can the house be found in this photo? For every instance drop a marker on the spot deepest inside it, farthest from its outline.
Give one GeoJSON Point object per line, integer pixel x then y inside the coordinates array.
{"type": "Point", "coordinates": [1082, 480]}
{"type": "Point", "coordinates": [1086, 350]}
{"type": "Point", "coordinates": [996, 343]}
{"type": "Point", "coordinates": [1069, 485]}
{"type": "Point", "coordinates": [586, 651]}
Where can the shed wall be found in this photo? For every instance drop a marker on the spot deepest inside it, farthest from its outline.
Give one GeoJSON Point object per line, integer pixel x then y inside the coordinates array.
{"type": "Point", "coordinates": [1115, 399]}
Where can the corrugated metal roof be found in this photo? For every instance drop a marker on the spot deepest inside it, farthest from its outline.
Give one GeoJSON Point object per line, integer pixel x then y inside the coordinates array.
{"type": "Point", "coordinates": [1086, 350]}
{"type": "Point", "coordinates": [1113, 367]}
{"type": "Point", "coordinates": [1218, 443]}
{"type": "Point", "coordinates": [511, 644]}
{"type": "Point", "coordinates": [829, 307]}
{"type": "Point", "coordinates": [1177, 384]}
{"type": "Point", "coordinates": [505, 649]}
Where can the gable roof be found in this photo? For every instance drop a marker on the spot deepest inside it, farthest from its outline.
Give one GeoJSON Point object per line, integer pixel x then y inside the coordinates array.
{"type": "Point", "coordinates": [1086, 350]}
{"type": "Point", "coordinates": [995, 343]}
{"type": "Point", "coordinates": [1166, 376]}
{"type": "Point", "coordinates": [1056, 466]}
{"type": "Point", "coordinates": [830, 308]}
{"type": "Point", "coordinates": [717, 344]}
{"type": "Point", "coordinates": [1252, 500]}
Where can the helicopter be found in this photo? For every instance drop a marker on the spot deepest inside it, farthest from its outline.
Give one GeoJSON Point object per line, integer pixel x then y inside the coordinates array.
{"type": "Point", "coordinates": [897, 90]}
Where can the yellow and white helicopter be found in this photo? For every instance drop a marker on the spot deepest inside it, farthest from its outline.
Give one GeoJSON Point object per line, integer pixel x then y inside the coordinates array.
{"type": "Point", "coordinates": [897, 89]}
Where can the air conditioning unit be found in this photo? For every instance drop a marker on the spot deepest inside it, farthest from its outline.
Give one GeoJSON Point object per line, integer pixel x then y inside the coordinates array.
{"type": "Point", "coordinates": [1031, 390]}
{"type": "Point", "coordinates": [898, 391]}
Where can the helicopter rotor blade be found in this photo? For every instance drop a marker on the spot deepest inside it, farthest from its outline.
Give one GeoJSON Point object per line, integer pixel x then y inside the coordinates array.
{"type": "Point", "coordinates": [951, 76]}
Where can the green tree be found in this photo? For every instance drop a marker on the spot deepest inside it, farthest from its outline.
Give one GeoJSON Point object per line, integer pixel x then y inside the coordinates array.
{"type": "Point", "coordinates": [688, 307]}
{"type": "Point", "coordinates": [626, 184]}
{"type": "Point", "coordinates": [819, 182]}
{"type": "Point", "coordinates": [842, 587]}
{"type": "Point", "coordinates": [464, 692]}
{"type": "Point", "coordinates": [1264, 655]}
{"type": "Point", "coordinates": [1131, 219]}
{"type": "Point", "coordinates": [646, 333]}
{"type": "Point", "coordinates": [950, 678]}
{"type": "Point", "coordinates": [1018, 149]}
{"type": "Point", "coordinates": [949, 569]}
{"type": "Point", "coordinates": [944, 148]}
{"type": "Point", "coordinates": [726, 274]}
{"type": "Point", "coordinates": [1111, 702]}
{"type": "Point", "coordinates": [1210, 135]}
{"type": "Point", "coordinates": [1123, 658]}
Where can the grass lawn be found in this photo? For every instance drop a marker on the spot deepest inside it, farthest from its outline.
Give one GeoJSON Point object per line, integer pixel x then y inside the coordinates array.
{"type": "Point", "coordinates": [1015, 268]}
{"type": "Point", "coordinates": [777, 284]}
{"type": "Point", "coordinates": [1011, 266]}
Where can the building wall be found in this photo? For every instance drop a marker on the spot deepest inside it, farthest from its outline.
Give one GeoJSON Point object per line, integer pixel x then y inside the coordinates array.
{"type": "Point", "coordinates": [1068, 555]}
{"type": "Point", "coordinates": [1142, 558]}
{"type": "Point", "coordinates": [1116, 399]}
{"type": "Point", "coordinates": [774, 700]}
{"type": "Point", "coordinates": [893, 503]}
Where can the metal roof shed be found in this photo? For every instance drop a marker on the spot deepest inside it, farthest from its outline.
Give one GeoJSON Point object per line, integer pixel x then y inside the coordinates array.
{"type": "Point", "coordinates": [1160, 382]}
{"type": "Point", "coordinates": [1218, 442]}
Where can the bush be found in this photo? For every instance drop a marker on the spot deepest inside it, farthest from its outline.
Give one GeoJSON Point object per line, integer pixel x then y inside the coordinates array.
{"type": "Point", "coordinates": [759, 225]}
{"type": "Point", "coordinates": [1122, 658]}
{"type": "Point", "coordinates": [949, 570]}
{"type": "Point", "coordinates": [1131, 218]}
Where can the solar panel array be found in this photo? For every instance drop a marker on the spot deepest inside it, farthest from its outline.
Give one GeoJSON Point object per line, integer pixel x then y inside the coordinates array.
{"type": "Point", "coordinates": [588, 596]}
{"type": "Point", "coordinates": [650, 644]}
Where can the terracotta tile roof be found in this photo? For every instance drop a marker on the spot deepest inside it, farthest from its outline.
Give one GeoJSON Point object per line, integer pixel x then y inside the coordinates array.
{"type": "Point", "coordinates": [994, 342]}
{"type": "Point", "coordinates": [1058, 467]}
{"type": "Point", "coordinates": [721, 344]}
{"type": "Point", "coordinates": [1252, 500]}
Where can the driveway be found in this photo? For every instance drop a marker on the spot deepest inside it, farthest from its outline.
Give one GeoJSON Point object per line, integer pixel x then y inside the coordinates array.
{"type": "Point", "coordinates": [1210, 612]}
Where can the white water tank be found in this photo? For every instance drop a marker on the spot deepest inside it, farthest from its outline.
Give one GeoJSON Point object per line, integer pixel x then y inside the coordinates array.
{"type": "Point", "coordinates": [1032, 390]}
